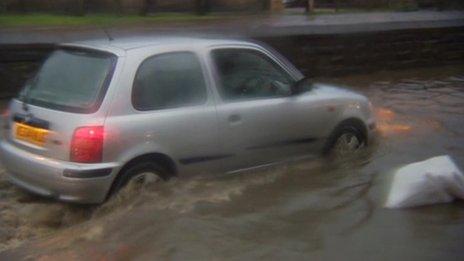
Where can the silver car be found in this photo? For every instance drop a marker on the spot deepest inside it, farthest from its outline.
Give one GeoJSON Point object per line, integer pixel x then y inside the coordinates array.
{"type": "Point", "coordinates": [101, 114]}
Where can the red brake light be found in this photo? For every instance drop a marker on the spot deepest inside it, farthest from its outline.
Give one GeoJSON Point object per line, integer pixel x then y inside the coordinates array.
{"type": "Point", "coordinates": [87, 144]}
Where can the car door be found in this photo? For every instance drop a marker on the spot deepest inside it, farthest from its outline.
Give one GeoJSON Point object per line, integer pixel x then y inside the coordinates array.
{"type": "Point", "coordinates": [260, 120]}
{"type": "Point", "coordinates": [172, 112]}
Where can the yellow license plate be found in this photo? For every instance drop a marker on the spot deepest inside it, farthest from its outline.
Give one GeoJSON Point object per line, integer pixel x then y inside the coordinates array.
{"type": "Point", "coordinates": [30, 134]}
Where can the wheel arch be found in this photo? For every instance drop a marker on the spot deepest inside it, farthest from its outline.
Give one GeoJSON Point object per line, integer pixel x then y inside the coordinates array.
{"type": "Point", "coordinates": [160, 158]}
{"type": "Point", "coordinates": [157, 157]}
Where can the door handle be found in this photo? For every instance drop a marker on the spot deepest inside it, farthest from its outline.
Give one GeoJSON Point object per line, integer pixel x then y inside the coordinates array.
{"type": "Point", "coordinates": [234, 118]}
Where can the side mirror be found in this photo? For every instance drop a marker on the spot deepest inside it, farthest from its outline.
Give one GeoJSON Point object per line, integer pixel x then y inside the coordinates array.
{"type": "Point", "coordinates": [301, 86]}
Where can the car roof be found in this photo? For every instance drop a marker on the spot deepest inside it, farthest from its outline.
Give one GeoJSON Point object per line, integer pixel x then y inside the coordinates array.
{"type": "Point", "coordinates": [120, 46]}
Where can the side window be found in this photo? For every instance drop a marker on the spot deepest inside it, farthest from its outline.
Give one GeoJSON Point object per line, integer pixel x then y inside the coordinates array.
{"type": "Point", "coordinates": [249, 74]}
{"type": "Point", "coordinates": [169, 80]}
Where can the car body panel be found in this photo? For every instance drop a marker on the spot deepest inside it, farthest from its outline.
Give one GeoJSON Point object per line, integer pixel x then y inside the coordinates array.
{"type": "Point", "coordinates": [214, 137]}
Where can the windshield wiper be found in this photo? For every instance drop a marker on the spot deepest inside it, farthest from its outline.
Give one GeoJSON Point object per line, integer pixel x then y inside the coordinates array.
{"type": "Point", "coordinates": [26, 97]}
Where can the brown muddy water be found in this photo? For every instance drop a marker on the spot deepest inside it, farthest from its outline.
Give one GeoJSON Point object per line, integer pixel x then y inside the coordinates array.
{"type": "Point", "coordinates": [320, 210]}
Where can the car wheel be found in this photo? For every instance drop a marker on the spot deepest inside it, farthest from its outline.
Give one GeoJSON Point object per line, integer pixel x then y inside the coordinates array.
{"type": "Point", "coordinates": [139, 176]}
{"type": "Point", "coordinates": [346, 140]}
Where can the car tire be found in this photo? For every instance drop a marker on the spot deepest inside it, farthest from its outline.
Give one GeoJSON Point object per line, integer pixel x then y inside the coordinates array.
{"type": "Point", "coordinates": [140, 174]}
{"type": "Point", "coordinates": [346, 139]}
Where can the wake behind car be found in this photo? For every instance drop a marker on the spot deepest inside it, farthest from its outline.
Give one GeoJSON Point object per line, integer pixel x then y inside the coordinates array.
{"type": "Point", "coordinates": [101, 114]}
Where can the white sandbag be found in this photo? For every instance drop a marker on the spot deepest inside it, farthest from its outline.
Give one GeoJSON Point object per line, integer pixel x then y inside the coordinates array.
{"type": "Point", "coordinates": [436, 180]}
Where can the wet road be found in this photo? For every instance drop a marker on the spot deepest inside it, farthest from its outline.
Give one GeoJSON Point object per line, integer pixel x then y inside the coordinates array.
{"type": "Point", "coordinates": [324, 209]}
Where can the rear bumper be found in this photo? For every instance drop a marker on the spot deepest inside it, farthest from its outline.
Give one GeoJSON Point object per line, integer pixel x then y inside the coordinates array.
{"type": "Point", "coordinates": [66, 181]}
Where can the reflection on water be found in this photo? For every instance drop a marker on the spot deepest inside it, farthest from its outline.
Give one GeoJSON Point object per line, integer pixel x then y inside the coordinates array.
{"type": "Point", "coordinates": [323, 209]}
{"type": "Point", "coordinates": [387, 123]}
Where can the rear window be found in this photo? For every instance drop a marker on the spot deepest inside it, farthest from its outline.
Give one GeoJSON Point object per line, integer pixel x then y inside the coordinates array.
{"type": "Point", "coordinates": [73, 80]}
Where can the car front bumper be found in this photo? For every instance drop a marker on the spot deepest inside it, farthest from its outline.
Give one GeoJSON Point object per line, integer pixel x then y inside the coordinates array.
{"type": "Point", "coordinates": [66, 181]}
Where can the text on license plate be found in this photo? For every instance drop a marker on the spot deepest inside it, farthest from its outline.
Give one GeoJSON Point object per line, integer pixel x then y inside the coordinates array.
{"type": "Point", "coordinates": [30, 134]}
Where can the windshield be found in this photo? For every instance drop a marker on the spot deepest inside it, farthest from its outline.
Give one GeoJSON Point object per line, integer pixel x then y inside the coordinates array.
{"type": "Point", "coordinates": [72, 80]}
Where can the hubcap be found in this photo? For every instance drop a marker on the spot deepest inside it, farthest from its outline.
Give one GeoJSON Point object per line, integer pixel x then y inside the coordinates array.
{"type": "Point", "coordinates": [144, 179]}
{"type": "Point", "coordinates": [347, 143]}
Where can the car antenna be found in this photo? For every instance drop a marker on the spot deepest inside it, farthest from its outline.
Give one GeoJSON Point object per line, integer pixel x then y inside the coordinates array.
{"type": "Point", "coordinates": [107, 34]}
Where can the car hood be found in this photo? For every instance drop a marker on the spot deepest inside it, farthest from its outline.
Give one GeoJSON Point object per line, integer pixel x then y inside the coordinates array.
{"type": "Point", "coordinates": [331, 91]}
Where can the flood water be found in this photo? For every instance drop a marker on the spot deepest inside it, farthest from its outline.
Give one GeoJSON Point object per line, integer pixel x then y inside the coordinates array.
{"type": "Point", "coordinates": [323, 209]}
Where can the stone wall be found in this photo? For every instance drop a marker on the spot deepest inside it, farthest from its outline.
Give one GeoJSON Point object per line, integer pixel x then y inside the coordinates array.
{"type": "Point", "coordinates": [334, 55]}
{"type": "Point", "coordinates": [315, 55]}
{"type": "Point", "coordinates": [17, 64]}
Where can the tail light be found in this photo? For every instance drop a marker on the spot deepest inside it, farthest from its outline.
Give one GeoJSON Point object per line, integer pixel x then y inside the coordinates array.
{"type": "Point", "coordinates": [87, 144]}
